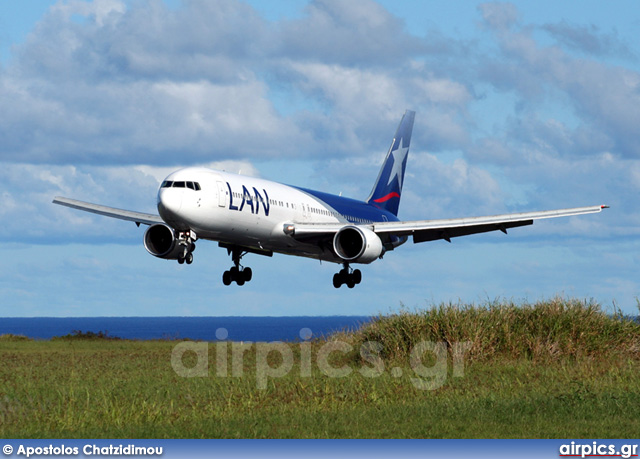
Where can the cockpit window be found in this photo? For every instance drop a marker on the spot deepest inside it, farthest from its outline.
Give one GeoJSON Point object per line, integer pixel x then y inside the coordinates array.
{"type": "Point", "coordinates": [192, 185]}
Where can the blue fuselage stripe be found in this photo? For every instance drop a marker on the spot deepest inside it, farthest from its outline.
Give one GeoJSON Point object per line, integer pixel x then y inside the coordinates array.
{"type": "Point", "coordinates": [352, 209]}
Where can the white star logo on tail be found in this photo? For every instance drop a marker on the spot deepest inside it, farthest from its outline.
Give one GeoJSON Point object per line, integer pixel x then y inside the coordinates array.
{"type": "Point", "coordinates": [399, 155]}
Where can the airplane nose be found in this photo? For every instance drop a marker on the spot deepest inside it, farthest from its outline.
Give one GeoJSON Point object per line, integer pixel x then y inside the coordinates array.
{"type": "Point", "coordinates": [169, 203]}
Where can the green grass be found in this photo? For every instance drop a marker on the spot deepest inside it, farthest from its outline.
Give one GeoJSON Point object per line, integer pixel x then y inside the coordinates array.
{"type": "Point", "coordinates": [555, 369]}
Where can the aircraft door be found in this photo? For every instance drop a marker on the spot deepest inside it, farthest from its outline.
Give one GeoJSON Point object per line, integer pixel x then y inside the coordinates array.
{"type": "Point", "coordinates": [222, 195]}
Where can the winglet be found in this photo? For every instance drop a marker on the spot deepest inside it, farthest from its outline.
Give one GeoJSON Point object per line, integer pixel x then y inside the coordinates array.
{"type": "Point", "coordinates": [387, 190]}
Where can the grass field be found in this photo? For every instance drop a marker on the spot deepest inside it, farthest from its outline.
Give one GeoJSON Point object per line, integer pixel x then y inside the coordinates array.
{"type": "Point", "coordinates": [556, 369]}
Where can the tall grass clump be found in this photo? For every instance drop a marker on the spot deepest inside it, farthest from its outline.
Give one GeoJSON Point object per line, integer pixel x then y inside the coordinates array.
{"type": "Point", "coordinates": [12, 337]}
{"type": "Point", "coordinates": [88, 335]}
{"type": "Point", "coordinates": [548, 329]}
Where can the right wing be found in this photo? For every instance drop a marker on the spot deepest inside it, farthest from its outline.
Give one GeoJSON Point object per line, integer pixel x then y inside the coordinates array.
{"type": "Point", "coordinates": [137, 217]}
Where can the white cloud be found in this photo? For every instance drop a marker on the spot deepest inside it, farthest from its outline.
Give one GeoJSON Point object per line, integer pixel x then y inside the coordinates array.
{"type": "Point", "coordinates": [98, 10]}
{"type": "Point", "coordinates": [348, 33]}
{"type": "Point", "coordinates": [605, 98]}
{"type": "Point", "coordinates": [445, 91]}
{"type": "Point", "coordinates": [438, 189]}
{"type": "Point", "coordinates": [498, 15]}
{"type": "Point", "coordinates": [589, 39]}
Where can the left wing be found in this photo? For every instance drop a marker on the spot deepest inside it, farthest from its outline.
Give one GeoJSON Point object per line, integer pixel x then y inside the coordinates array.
{"type": "Point", "coordinates": [431, 230]}
{"type": "Point", "coordinates": [137, 217]}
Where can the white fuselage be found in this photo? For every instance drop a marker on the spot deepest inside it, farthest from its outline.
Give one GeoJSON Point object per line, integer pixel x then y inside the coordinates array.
{"type": "Point", "coordinates": [245, 211]}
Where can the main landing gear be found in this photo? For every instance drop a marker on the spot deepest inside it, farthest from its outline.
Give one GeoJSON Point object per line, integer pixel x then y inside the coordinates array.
{"type": "Point", "coordinates": [237, 273]}
{"type": "Point", "coordinates": [347, 276]}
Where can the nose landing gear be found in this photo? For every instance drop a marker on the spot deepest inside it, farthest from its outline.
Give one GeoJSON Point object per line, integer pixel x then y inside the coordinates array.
{"type": "Point", "coordinates": [188, 259]}
{"type": "Point", "coordinates": [187, 241]}
{"type": "Point", "coordinates": [347, 276]}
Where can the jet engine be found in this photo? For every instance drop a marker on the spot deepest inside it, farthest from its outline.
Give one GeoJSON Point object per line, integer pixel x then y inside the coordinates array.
{"type": "Point", "coordinates": [358, 245]}
{"type": "Point", "coordinates": [161, 241]}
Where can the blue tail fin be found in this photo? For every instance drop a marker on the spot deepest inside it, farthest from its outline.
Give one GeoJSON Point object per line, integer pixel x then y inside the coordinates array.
{"type": "Point", "coordinates": [388, 188]}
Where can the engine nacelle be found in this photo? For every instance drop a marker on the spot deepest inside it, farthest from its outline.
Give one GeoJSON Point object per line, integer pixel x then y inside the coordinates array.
{"type": "Point", "coordinates": [161, 241]}
{"type": "Point", "coordinates": [360, 245]}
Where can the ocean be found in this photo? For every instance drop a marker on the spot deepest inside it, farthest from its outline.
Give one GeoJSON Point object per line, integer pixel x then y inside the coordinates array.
{"type": "Point", "coordinates": [196, 328]}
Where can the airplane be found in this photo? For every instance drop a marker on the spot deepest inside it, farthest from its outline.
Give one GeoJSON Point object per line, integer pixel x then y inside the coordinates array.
{"type": "Point", "coordinates": [252, 215]}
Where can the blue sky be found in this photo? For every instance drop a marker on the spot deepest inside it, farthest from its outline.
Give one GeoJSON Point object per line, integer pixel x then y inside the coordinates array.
{"type": "Point", "coordinates": [520, 106]}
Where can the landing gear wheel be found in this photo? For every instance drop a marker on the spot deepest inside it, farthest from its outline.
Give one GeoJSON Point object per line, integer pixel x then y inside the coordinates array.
{"type": "Point", "coordinates": [237, 273]}
{"type": "Point", "coordinates": [189, 258]}
{"type": "Point", "coordinates": [181, 260]}
{"type": "Point", "coordinates": [345, 277]}
{"type": "Point", "coordinates": [337, 281]}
